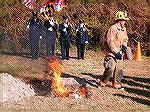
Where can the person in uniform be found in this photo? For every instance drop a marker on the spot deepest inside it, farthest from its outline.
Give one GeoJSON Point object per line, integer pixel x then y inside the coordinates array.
{"type": "Point", "coordinates": [50, 28]}
{"type": "Point", "coordinates": [82, 39]}
{"type": "Point", "coordinates": [117, 40]}
{"type": "Point", "coordinates": [35, 32]}
{"type": "Point", "coordinates": [65, 37]}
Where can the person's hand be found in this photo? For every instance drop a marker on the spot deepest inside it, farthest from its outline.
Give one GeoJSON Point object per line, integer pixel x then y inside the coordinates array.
{"type": "Point", "coordinates": [50, 29]}
{"type": "Point", "coordinates": [27, 28]}
{"type": "Point", "coordinates": [64, 29]}
{"type": "Point", "coordinates": [52, 23]}
{"type": "Point", "coordinates": [118, 55]}
{"type": "Point", "coordinates": [86, 42]}
{"type": "Point", "coordinates": [66, 25]}
{"type": "Point", "coordinates": [81, 25]}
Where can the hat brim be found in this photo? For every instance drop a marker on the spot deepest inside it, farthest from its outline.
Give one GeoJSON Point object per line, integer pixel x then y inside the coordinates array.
{"type": "Point", "coordinates": [125, 19]}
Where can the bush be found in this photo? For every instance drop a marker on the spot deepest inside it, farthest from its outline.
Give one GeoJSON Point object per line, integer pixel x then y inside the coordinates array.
{"type": "Point", "coordinates": [2, 2]}
{"type": "Point", "coordinates": [98, 16]}
{"type": "Point", "coordinates": [1, 38]}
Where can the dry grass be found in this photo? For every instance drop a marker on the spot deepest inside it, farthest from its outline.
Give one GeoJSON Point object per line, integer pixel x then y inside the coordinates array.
{"type": "Point", "coordinates": [135, 96]}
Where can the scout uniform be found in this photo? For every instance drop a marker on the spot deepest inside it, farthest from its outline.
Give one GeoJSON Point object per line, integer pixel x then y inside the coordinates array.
{"type": "Point", "coordinates": [35, 31]}
{"type": "Point", "coordinates": [65, 38]}
{"type": "Point", "coordinates": [51, 33]}
{"type": "Point", "coordinates": [82, 39]}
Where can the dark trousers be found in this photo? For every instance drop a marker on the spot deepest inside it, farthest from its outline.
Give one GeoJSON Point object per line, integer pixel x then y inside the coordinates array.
{"type": "Point", "coordinates": [34, 44]}
{"type": "Point", "coordinates": [50, 49]}
{"type": "Point", "coordinates": [65, 49]}
{"type": "Point", "coordinates": [80, 51]}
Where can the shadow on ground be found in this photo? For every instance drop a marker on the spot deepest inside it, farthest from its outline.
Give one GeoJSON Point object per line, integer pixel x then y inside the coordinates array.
{"type": "Point", "coordinates": [92, 75]}
{"type": "Point", "coordinates": [143, 83]}
{"type": "Point", "coordinates": [145, 93]}
{"type": "Point", "coordinates": [42, 88]}
{"type": "Point", "coordinates": [59, 55]}
{"type": "Point", "coordinates": [81, 81]}
{"type": "Point", "coordinates": [138, 100]}
{"type": "Point", "coordinates": [22, 54]}
{"type": "Point", "coordinates": [136, 81]}
{"type": "Point", "coordinates": [144, 80]}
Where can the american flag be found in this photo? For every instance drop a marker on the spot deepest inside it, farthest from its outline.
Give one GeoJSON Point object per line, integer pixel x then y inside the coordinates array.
{"type": "Point", "coordinates": [29, 3]}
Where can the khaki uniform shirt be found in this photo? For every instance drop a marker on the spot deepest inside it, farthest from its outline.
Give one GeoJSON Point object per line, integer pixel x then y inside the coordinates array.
{"type": "Point", "coordinates": [116, 37]}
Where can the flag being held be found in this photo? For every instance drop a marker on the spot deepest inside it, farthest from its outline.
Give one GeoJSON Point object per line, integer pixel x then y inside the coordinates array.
{"type": "Point", "coordinates": [29, 3]}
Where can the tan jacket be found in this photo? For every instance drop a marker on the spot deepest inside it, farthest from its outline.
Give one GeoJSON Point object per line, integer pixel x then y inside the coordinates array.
{"type": "Point", "coordinates": [116, 37]}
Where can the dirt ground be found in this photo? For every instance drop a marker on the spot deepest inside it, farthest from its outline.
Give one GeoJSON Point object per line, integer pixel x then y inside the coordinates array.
{"type": "Point", "coordinates": [134, 97]}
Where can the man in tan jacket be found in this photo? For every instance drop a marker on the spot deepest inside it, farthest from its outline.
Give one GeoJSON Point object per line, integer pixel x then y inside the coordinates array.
{"type": "Point", "coordinates": [117, 44]}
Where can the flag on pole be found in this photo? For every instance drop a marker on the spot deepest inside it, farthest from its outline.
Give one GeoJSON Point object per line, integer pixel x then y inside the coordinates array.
{"type": "Point", "coordinates": [29, 3]}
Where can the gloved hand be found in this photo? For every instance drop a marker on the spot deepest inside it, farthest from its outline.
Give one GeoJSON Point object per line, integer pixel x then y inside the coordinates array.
{"type": "Point", "coordinates": [50, 29]}
{"type": "Point", "coordinates": [66, 25]}
{"type": "Point", "coordinates": [124, 48]}
{"type": "Point", "coordinates": [86, 42]}
{"type": "Point", "coordinates": [64, 29]}
{"type": "Point", "coordinates": [51, 22]}
{"type": "Point", "coordinates": [27, 28]}
{"type": "Point", "coordinates": [118, 55]}
{"type": "Point", "coordinates": [81, 25]}
{"type": "Point", "coordinates": [83, 29]}
{"type": "Point", "coordinates": [40, 37]}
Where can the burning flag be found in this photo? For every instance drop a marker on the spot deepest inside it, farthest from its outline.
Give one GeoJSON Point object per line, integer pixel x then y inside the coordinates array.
{"type": "Point", "coordinates": [60, 90]}
{"type": "Point", "coordinates": [79, 93]}
{"type": "Point", "coordinates": [57, 68]}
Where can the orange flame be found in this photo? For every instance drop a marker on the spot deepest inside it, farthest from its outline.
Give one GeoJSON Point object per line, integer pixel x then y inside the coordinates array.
{"type": "Point", "coordinates": [57, 68]}
{"type": "Point", "coordinates": [83, 91]}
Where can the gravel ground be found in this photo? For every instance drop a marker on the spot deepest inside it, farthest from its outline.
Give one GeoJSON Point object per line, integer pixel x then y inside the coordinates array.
{"type": "Point", "coordinates": [135, 96]}
{"type": "Point", "coordinates": [14, 89]}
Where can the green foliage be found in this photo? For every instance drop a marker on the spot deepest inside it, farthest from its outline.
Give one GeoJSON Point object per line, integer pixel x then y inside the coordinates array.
{"type": "Point", "coordinates": [1, 38]}
{"type": "Point", "coordinates": [2, 2]}
{"type": "Point", "coordinates": [6, 17]}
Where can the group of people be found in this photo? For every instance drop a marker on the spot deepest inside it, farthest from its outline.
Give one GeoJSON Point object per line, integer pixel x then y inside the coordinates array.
{"type": "Point", "coordinates": [116, 37]}
{"type": "Point", "coordinates": [51, 29]}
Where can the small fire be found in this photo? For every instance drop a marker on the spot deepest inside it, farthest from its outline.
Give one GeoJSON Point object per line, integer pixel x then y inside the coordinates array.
{"type": "Point", "coordinates": [60, 90]}
{"type": "Point", "coordinates": [57, 68]}
{"type": "Point", "coordinates": [83, 91]}
{"type": "Point", "coordinates": [79, 93]}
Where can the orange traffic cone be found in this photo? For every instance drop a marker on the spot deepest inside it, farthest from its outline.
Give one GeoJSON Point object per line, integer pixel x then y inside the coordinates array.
{"type": "Point", "coordinates": [138, 56]}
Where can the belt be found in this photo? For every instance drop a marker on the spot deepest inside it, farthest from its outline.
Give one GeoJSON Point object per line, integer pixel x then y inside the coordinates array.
{"type": "Point", "coordinates": [109, 54]}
